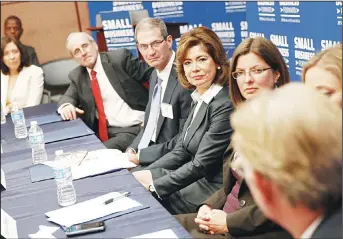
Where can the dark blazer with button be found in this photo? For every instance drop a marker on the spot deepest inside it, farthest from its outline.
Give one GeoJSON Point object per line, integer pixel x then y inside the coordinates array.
{"type": "Point", "coordinates": [194, 166]}
{"type": "Point", "coordinates": [125, 73]}
{"type": "Point", "coordinates": [32, 54]}
{"type": "Point", "coordinates": [167, 129]}
{"type": "Point", "coordinates": [248, 220]}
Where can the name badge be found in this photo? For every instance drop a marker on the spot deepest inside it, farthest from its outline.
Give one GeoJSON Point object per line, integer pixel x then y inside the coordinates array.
{"type": "Point", "coordinates": [3, 180]}
{"type": "Point", "coordinates": [167, 110]}
{"type": "Point", "coordinates": [8, 226]}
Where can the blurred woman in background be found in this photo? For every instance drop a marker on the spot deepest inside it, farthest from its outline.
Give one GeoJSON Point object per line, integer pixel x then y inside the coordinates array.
{"type": "Point", "coordinates": [323, 72]}
{"type": "Point", "coordinates": [256, 65]}
{"type": "Point", "coordinates": [21, 82]}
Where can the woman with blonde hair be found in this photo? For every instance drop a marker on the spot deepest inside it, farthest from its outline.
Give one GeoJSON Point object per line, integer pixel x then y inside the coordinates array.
{"type": "Point", "coordinates": [290, 142]}
{"type": "Point", "coordinates": [256, 65]}
{"type": "Point", "coordinates": [323, 72]}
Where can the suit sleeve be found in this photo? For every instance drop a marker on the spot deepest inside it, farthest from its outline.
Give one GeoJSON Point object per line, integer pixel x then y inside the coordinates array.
{"type": "Point", "coordinates": [136, 68]}
{"type": "Point", "coordinates": [34, 58]}
{"type": "Point", "coordinates": [70, 96]}
{"type": "Point", "coordinates": [155, 152]}
{"type": "Point", "coordinates": [36, 87]}
{"type": "Point", "coordinates": [248, 221]}
{"type": "Point", "coordinates": [210, 153]}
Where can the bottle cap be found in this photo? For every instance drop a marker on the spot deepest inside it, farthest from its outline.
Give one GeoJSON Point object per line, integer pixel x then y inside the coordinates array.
{"type": "Point", "coordinates": [33, 123]}
{"type": "Point", "coordinates": [58, 152]}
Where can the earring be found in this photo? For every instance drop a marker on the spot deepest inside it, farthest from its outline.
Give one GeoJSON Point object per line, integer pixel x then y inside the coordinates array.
{"type": "Point", "coordinates": [275, 85]}
{"type": "Point", "coordinates": [218, 67]}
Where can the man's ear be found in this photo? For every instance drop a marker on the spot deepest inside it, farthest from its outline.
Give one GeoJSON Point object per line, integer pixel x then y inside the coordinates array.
{"type": "Point", "coordinates": [169, 40]}
{"type": "Point", "coordinates": [265, 188]}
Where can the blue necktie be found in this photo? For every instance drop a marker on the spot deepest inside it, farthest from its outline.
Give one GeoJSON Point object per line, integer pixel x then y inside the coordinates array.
{"type": "Point", "coordinates": [152, 121]}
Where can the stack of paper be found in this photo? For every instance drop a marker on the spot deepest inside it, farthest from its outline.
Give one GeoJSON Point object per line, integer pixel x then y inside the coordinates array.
{"type": "Point", "coordinates": [97, 162]}
{"type": "Point", "coordinates": [91, 209]}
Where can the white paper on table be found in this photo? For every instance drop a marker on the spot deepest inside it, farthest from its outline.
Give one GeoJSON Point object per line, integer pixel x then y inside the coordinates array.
{"type": "Point", "coordinates": [8, 226]}
{"type": "Point", "coordinates": [44, 232]}
{"type": "Point", "coordinates": [90, 210]}
{"type": "Point", "coordinates": [167, 233]}
{"type": "Point", "coordinates": [98, 161]}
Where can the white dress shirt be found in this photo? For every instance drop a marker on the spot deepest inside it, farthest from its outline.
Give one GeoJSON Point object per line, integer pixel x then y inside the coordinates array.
{"type": "Point", "coordinates": [307, 234]}
{"type": "Point", "coordinates": [164, 76]}
{"type": "Point", "coordinates": [206, 98]}
{"type": "Point", "coordinates": [117, 111]}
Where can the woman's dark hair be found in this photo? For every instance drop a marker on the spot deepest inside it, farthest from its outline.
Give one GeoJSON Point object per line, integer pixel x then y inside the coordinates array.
{"type": "Point", "coordinates": [24, 57]}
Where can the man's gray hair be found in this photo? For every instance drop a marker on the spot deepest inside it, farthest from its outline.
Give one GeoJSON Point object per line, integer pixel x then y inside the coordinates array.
{"type": "Point", "coordinates": [152, 23]}
{"type": "Point", "coordinates": [75, 34]}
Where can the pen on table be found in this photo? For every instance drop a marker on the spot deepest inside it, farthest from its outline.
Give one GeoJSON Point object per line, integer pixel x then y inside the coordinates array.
{"type": "Point", "coordinates": [125, 194]}
{"type": "Point", "coordinates": [83, 158]}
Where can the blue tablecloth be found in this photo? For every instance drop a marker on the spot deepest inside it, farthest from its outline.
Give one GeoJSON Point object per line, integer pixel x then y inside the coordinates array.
{"type": "Point", "coordinates": [53, 132]}
{"type": "Point", "coordinates": [27, 202]}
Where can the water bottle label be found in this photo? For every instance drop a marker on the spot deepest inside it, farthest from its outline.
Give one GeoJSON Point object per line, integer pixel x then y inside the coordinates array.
{"type": "Point", "coordinates": [17, 116]}
{"type": "Point", "coordinates": [37, 138]}
{"type": "Point", "coordinates": [62, 173]}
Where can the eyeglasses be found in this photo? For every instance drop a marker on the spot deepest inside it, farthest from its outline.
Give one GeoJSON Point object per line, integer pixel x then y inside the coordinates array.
{"type": "Point", "coordinates": [154, 44]}
{"type": "Point", "coordinates": [251, 72]}
{"type": "Point", "coordinates": [77, 52]}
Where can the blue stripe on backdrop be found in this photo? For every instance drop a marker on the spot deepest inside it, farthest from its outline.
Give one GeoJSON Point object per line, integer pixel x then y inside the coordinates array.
{"type": "Point", "coordinates": [295, 27]}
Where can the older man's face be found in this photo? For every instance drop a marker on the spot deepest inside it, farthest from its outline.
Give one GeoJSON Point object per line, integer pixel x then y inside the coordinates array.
{"type": "Point", "coordinates": [12, 29]}
{"type": "Point", "coordinates": [84, 51]}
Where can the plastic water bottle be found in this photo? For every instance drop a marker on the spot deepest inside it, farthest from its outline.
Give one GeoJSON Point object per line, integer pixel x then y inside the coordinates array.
{"type": "Point", "coordinates": [3, 116]}
{"type": "Point", "coordinates": [36, 138]}
{"type": "Point", "coordinates": [18, 119]}
{"type": "Point", "coordinates": [66, 195]}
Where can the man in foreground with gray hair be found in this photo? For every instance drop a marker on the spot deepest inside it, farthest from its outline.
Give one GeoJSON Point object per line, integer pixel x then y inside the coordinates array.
{"type": "Point", "coordinates": [106, 91]}
{"type": "Point", "coordinates": [290, 143]}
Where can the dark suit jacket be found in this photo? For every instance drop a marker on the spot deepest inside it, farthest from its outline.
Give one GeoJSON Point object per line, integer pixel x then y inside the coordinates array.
{"type": "Point", "coordinates": [125, 73]}
{"type": "Point", "coordinates": [248, 220]}
{"type": "Point", "coordinates": [194, 166]}
{"type": "Point", "coordinates": [331, 226]}
{"type": "Point", "coordinates": [167, 128]}
{"type": "Point", "coordinates": [32, 54]}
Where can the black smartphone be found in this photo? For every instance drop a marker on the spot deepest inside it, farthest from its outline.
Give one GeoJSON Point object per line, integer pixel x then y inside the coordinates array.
{"type": "Point", "coordinates": [85, 228]}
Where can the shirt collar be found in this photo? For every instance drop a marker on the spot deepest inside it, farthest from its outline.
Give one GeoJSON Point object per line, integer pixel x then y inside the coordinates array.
{"type": "Point", "coordinates": [311, 228]}
{"type": "Point", "coordinates": [97, 67]}
{"type": "Point", "coordinates": [164, 74]}
{"type": "Point", "coordinates": [208, 95]}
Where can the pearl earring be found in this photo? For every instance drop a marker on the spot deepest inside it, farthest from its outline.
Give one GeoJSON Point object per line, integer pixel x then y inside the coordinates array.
{"type": "Point", "coordinates": [218, 67]}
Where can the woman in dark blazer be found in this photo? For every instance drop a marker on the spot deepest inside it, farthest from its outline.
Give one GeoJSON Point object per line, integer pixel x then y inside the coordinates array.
{"type": "Point", "coordinates": [192, 171]}
{"type": "Point", "coordinates": [231, 212]}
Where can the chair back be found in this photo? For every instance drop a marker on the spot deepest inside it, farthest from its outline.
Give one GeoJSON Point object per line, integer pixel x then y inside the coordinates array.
{"type": "Point", "coordinates": [56, 72]}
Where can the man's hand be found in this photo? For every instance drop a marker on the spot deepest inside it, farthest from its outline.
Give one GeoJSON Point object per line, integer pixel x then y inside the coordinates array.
{"type": "Point", "coordinates": [133, 157]}
{"type": "Point", "coordinates": [144, 177]}
{"type": "Point", "coordinates": [68, 112]}
{"type": "Point", "coordinates": [204, 212]}
{"type": "Point", "coordinates": [216, 223]}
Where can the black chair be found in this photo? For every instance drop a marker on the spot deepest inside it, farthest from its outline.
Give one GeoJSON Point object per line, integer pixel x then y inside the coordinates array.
{"type": "Point", "coordinates": [56, 79]}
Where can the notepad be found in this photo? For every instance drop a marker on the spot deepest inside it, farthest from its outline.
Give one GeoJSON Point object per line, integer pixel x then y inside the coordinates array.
{"type": "Point", "coordinates": [90, 210]}
{"type": "Point", "coordinates": [97, 162]}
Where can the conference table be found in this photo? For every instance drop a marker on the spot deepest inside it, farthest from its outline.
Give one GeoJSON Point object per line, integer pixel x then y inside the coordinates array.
{"type": "Point", "coordinates": [28, 202]}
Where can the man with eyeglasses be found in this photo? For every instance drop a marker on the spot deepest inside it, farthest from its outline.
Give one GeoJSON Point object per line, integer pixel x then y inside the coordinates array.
{"type": "Point", "coordinates": [169, 103]}
{"type": "Point", "coordinates": [13, 28]}
{"type": "Point", "coordinates": [106, 91]}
